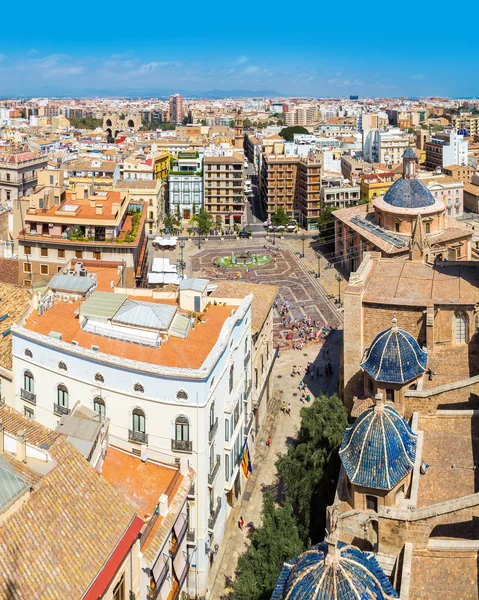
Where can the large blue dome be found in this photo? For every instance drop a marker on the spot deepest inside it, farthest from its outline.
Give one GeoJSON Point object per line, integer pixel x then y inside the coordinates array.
{"type": "Point", "coordinates": [394, 357]}
{"type": "Point", "coordinates": [379, 449]}
{"type": "Point", "coordinates": [333, 572]}
{"type": "Point", "coordinates": [409, 193]}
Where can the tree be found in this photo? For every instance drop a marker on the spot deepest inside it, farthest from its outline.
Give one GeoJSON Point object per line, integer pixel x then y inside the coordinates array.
{"type": "Point", "coordinates": [326, 224]}
{"type": "Point", "coordinates": [274, 542]}
{"type": "Point", "coordinates": [171, 221]}
{"type": "Point", "coordinates": [280, 217]}
{"type": "Point", "coordinates": [310, 467]}
{"type": "Point", "coordinates": [204, 222]}
{"type": "Point", "coordinates": [185, 120]}
{"type": "Point", "coordinates": [287, 133]}
{"type": "Point", "coordinates": [247, 122]}
{"type": "Point", "coordinates": [85, 122]}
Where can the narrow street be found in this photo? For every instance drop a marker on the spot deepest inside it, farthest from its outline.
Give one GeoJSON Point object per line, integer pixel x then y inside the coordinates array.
{"type": "Point", "coordinates": [283, 429]}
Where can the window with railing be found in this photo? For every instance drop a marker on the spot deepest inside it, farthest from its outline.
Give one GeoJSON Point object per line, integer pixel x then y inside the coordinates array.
{"type": "Point", "coordinates": [182, 441]}
{"type": "Point", "coordinates": [99, 407]}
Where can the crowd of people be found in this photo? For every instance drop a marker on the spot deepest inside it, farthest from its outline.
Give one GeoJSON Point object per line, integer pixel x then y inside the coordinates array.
{"type": "Point", "coordinates": [301, 330]}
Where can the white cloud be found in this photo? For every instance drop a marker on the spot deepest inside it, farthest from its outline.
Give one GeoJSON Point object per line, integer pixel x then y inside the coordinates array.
{"type": "Point", "coordinates": [418, 76]}
{"type": "Point", "coordinates": [241, 60]}
{"type": "Point", "coordinates": [251, 70]}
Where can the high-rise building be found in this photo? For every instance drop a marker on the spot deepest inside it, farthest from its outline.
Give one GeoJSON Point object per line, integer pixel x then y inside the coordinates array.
{"type": "Point", "coordinates": [176, 108]}
{"type": "Point", "coordinates": [223, 185]}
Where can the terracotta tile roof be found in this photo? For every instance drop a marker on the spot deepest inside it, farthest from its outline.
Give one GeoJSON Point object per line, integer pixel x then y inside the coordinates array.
{"type": "Point", "coordinates": [35, 433]}
{"type": "Point", "coordinates": [263, 298]}
{"type": "Point", "coordinates": [14, 302]}
{"type": "Point", "coordinates": [57, 542]}
{"type": "Point", "coordinates": [472, 189]}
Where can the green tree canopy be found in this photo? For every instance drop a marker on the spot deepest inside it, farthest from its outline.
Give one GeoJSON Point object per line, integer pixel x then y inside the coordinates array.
{"type": "Point", "coordinates": [280, 217]}
{"type": "Point", "coordinates": [204, 222]}
{"type": "Point", "coordinates": [287, 133]}
{"type": "Point", "coordinates": [172, 221]}
{"type": "Point", "coordinates": [326, 224]}
{"type": "Point", "coordinates": [85, 122]}
{"type": "Point", "coordinates": [274, 542]}
{"type": "Point", "coordinates": [310, 467]}
{"type": "Point", "coordinates": [247, 122]}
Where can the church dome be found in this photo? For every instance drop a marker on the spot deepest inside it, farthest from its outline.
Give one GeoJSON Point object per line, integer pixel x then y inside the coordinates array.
{"type": "Point", "coordinates": [409, 193]}
{"type": "Point", "coordinates": [394, 357]}
{"type": "Point", "coordinates": [379, 449]}
{"type": "Point", "coordinates": [333, 572]}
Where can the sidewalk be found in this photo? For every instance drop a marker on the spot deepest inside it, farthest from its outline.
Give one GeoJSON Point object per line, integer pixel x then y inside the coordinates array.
{"type": "Point", "coordinates": [281, 428]}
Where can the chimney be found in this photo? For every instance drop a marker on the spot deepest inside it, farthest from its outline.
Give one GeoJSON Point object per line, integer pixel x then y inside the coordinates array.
{"type": "Point", "coordinates": [92, 202]}
{"type": "Point", "coordinates": [163, 503]}
{"type": "Point", "coordinates": [2, 432]}
{"type": "Point", "coordinates": [115, 207]}
{"type": "Point", "coordinates": [99, 209]}
{"type": "Point", "coordinates": [21, 446]}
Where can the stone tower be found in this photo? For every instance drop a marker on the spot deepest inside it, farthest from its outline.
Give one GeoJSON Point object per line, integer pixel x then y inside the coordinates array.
{"type": "Point", "coordinates": [239, 129]}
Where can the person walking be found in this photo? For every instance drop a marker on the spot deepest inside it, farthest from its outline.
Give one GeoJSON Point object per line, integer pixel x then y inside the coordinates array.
{"type": "Point", "coordinates": [288, 410]}
{"type": "Point", "coordinates": [283, 407]}
{"type": "Point", "coordinates": [268, 441]}
{"type": "Point", "coordinates": [241, 523]}
{"type": "Point", "coordinates": [308, 397]}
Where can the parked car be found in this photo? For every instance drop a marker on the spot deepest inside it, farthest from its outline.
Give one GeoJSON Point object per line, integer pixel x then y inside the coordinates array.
{"type": "Point", "coordinates": [244, 233]}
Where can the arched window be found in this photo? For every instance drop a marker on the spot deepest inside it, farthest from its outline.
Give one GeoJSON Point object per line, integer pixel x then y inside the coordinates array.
{"type": "Point", "coordinates": [182, 429]}
{"type": "Point", "coordinates": [62, 366]}
{"type": "Point", "coordinates": [99, 378]}
{"type": "Point", "coordinates": [28, 353]}
{"type": "Point", "coordinates": [28, 382]}
{"type": "Point", "coordinates": [139, 423]}
{"type": "Point", "coordinates": [62, 396]}
{"type": "Point", "coordinates": [232, 376]}
{"type": "Point", "coordinates": [150, 203]}
{"type": "Point", "coordinates": [99, 407]}
{"type": "Point", "coordinates": [182, 395]}
{"type": "Point", "coordinates": [461, 328]}
{"type": "Point", "coordinates": [139, 388]}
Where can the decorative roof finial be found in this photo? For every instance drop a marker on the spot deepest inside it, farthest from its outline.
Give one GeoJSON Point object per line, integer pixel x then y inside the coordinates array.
{"type": "Point", "coordinates": [394, 326]}
{"type": "Point", "coordinates": [378, 402]}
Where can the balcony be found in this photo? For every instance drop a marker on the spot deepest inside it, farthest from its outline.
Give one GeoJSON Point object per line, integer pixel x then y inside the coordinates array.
{"type": "Point", "coordinates": [212, 475]}
{"type": "Point", "coordinates": [60, 410]}
{"type": "Point", "coordinates": [191, 493]}
{"type": "Point", "coordinates": [248, 391]}
{"type": "Point", "coordinates": [182, 445]}
{"type": "Point", "coordinates": [154, 594]}
{"type": "Point", "coordinates": [176, 543]}
{"type": "Point", "coordinates": [213, 429]}
{"type": "Point", "coordinates": [248, 422]}
{"type": "Point", "coordinates": [190, 536]}
{"type": "Point", "coordinates": [214, 514]}
{"type": "Point", "coordinates": [247, 359]}
{"type": "Point", "coordinates": [139, 437]}
{"type": "Point", "coordinates": [28, 396]}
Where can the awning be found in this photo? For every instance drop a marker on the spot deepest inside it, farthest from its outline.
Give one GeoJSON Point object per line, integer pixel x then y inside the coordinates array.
{"type": "Point", "coordinates": [178, 526]}
{"type": "Point", "coordinates": [179, 564]}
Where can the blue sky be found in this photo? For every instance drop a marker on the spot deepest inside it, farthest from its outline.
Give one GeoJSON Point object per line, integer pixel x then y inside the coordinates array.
{"type": "Point", "coordinates": [370, 49]}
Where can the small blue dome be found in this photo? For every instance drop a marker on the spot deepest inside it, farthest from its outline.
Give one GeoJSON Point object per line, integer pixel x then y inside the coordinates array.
{"type": "Point", "coordinates": [394, 357]}
{"type": "Point", "coordinates": [409, 193]}
{"type": "Point", "coordinates": [409, 153]}
{"type": "Point", "coordinates": [463, 132]}
{"type": "Point", "coordinates": [379, 449]}
{"type": "Point", "coordinates": [328, 572]}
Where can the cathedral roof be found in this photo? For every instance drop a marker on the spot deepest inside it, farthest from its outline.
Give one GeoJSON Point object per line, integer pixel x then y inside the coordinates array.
{"type": "Point", "coordinates": [333, 572]}
{"type": "Point", "coordinates": [409, 153]}
{"type": "Point", "coordinates": [394, 356]}
{"type": "Point", "coordinates": [409, 193]}
{"type": "Point", "coordinates": [379, 449]}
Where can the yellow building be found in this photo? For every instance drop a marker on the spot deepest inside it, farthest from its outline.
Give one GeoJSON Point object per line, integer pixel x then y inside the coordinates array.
{"type": "Point", "coordinates": [161, 163]}
{"type": "Point", "coordinates": [374, 185]}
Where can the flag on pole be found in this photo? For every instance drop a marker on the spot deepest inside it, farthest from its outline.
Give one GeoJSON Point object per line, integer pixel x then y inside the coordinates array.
{"type": "Point", "coordinates": [246, 462]}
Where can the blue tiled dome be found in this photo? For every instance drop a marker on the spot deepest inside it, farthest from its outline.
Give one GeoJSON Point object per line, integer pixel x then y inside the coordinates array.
{"type": "Point", "coordinates": [394, 357]}
{"type": "Point", "coordinates": [379, 449]}
{"type": "Point", "coordinates": [463, 132]}
{"type": "Point", "coordinates": [328, 572]}
{"type": "Point", "coordinates": [409, 193]}
{"type": "Point", "coordinates": [409, 153]}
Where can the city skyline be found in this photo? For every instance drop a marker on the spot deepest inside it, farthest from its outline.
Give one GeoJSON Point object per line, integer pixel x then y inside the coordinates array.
{"type": "Point", "coordinates": [330, 57]}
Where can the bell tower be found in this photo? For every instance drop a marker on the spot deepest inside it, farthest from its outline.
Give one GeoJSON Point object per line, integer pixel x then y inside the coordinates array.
{"type": "Point", "coordinates": [239, 129]}
{"type": "Point", "coordinates": [409, 164]}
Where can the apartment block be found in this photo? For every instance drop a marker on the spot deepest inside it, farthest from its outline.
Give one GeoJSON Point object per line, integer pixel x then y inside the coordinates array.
{"type": "Point", "coordinates": [176, 109]}
{"type": "Point", "coordinates": [223, 179]}
{"type": "Point", "coordinates": [19, 174]}
{"type": "Point", "coordinates": [468, 122]}
{"type": "Point", "coordinates": [447, 148]}
{"type": "Point", "coordinates": [185, 185]}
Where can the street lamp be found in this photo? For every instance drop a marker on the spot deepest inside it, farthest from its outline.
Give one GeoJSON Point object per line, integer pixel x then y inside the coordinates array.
{"type": "Point", "coordinates": [339, 279]}
{"type": "Point", "coordinates": [180, 262]}
{"type": "Point", "coordinates": [274, 236]}
{"type": "Point", "coordinates": [302, 238]}
{"type": "Point", "coordinates": [318, 274]}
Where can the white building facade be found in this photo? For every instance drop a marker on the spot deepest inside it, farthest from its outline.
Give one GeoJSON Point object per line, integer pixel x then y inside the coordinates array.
{"type": "Point", "coordinates": [166, 412]}
{"type": "Point", "coordinates": [185, 187]}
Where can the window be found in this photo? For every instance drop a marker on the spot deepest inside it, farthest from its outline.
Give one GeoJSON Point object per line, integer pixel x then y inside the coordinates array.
{"type": "Point", "coordinates": [27, 268]}
{"type": "Point", "coordinates": [227, 430]}
{"type": "Point", "coordinates": [28, 412]}
{"type": "Point", "coordinates": [43, 251]}
{"type": "Point", "coordinates": [397, 227]}
{"type": "Point", "coordinates": [232, 374]}
{"type": "Point", "coordinates": [371, 503]}
{"type": "Point", "coordinates": [97, 255]}
{"type": "Point", "coordinates": [99, 407]}
{"type": "Point", "coordinates": [460, 328]}
{"type": "Point", "coordinates": [28, 250]}
{"type": "Point", "coordinates": [62, 396]}
{"type": "Point", "coordinates": [182, 395]}
{"type": "Point", "coordinates": [8, 176]}
{"type": "Point", "coordinates": [51, 179]}
{"type": "Point", "coordinates": [212, 415]}
{"type": "Point", "coordinates": [139, 420]}
{"type": "Point", "coordinates": [227, 467]}
{"type": "Point", "coordinates": [44, 269]}
{"type": "Point", "coordinates": [99, 377]}
{"type": "Point", "coordinates": [139, 388]}
{"type": "Point", "coordinates": [28, 353]}
{"type": "Point", "coordinates": [28, 382]}
{"type": "Point", "coordinates": [119, 589]}
{"type": "Point", "coordinates": [62, 366]}
{"type": "Point", "coordinates": [428, 227]}
{"type": "Point", "coordinates": [78, 254]}
{"type": "Point", "coordinates": [390, 394]}
{"type": "Point", "coordinates": [61, 253]}
{"type": "Point", "coordinates": [182, 429]}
